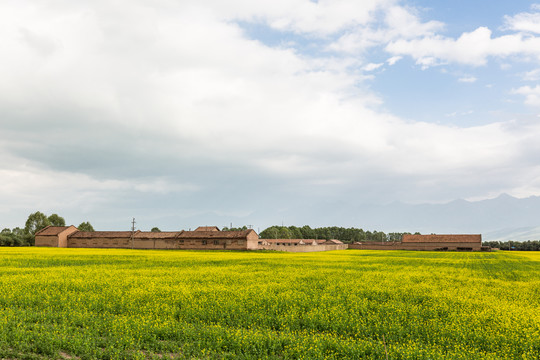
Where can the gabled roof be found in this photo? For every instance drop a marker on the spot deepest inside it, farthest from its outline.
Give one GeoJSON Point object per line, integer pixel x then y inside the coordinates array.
{"type": "Point", "coordinates": [157, 235]}
{"type": "Point", "coordinates": [408, 238]}
{"type": "Point", "coordinates": [102, 234]}
{"type": "Point", "coordinates": [333, 242]}
{"type": "Point", "coordinates": [215, 234]}
{"type": "Point", "coordinates": [207, 228]}
{"type": "Point", "coordinates": [295, 241]}
{"type": "Point", "coordinates": [53, 230]}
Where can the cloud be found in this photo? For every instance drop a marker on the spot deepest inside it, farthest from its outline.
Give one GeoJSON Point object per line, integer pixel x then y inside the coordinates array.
{"type": "Point", "coordinates": [397, 23]}
{"type": "Point", "coordinates": [372, 66]}
{"type": "Point", "coordinates": [394, 59]}
{"type": "Point", "coordinates": [524, 22]}
{"type": "Point", "coordinates": [471, 48]}
{"type": "Point", "coordinates": [125, 106]}
{"type": "Point", "coordinates": [468, 79]}
{"type": "Point", "coordinates": [304, 16]}
{"type": "Point", "coordinates": [533, 75]}
{"type": "Point", "coordinates": [532, 94]}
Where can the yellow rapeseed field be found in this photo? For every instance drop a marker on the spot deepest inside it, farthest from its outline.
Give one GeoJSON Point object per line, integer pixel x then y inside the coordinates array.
{"type": "Point", "coordinates": [353, 304]}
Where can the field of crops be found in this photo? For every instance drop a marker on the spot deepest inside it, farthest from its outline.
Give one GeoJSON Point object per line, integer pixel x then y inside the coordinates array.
{"type": "Point", "coordinates": [353, 304]}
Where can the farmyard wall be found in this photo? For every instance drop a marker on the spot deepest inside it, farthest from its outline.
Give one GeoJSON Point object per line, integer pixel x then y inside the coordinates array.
{"type": "Point", "coordinates": [303, 248]}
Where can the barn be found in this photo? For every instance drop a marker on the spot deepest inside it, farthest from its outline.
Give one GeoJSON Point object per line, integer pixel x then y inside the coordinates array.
{"type": "Point", "coordinates": [443, 242]}
{"type": "Point", "coordinates": [54, 236]}
{"type": "Point", "coordinates": [203, 238]}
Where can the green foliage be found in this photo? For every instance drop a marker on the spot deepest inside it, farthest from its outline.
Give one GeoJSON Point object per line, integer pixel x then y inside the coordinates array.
{"type": "Point", "coordinates": [85, 226]}
{"type": "Point", "coordinates": [235, 228]}
{"type": "Point", "coordinates": [530, 245]}
{"type": "Point", "coordinates": [16, 237]}
{"type": "Point", "coordinates": [123, 304]}
{"type": "Point", "coordinates": [36, 222]}
{"type": "Point", "coordinates": [347, 235]}
{"type": "Point", "coordinates": [56, 220]}
{"type": "Point", "coordinates": [155, 229]}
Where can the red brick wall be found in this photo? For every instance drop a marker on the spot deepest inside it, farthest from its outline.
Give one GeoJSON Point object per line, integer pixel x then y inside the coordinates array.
{"type": "Point", "coordinates": [408, 238]}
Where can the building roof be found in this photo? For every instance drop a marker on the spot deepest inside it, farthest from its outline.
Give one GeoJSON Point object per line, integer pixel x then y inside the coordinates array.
{"type": "Point", "coordinates": [53, 230]}
{"type": "Point", "coordinates": [294, 241]}
{"type": "Point", "coordinates": [198, 234]}
{"type": "Point", "coordinates": [157, 235]}
{"type": "Point", "coordinates": [207, 228]}
{"type": "Point", "coordinates": [334, 242]}
{"type": "Point", "coordinates": [462, 238]}
{"type": "Point", "coordinates": [102, 234]}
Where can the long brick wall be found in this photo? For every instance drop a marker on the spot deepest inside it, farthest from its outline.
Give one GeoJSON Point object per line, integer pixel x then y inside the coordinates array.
{"type": "Point", "coordinates": [451, 238]}
{"type": "Point", "coordinates": [431, 246]}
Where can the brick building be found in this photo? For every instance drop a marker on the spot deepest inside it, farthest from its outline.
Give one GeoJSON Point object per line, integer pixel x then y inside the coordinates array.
{"type": "Point", "coordinates": [427, 242]}
{"type": "Point", "coordinates": [203, 238]}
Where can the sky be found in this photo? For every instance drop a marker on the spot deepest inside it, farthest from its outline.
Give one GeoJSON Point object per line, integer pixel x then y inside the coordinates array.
{"type": "Point", "coordinates": [187, 113]}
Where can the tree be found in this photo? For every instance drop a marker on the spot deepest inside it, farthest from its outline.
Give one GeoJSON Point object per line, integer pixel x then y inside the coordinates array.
{"type": "Point", "coordinates": [85, 226]}
{"type": "Point", "coordinates": [225, 228]}
{"type": "Point", "coordinates": [57, 220]}
{"type": "Point", "coordinates": [36, 222]}
{"type": "Point", "coordinates": [155, 229]}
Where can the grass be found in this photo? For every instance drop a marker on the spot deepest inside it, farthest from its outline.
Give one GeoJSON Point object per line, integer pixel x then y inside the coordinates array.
{"type": "Point", "coordinates": [136, 304]}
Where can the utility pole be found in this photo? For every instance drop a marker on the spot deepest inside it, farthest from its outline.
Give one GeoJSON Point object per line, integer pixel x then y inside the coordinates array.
{"type": "Point", "coordinates": [132, 233]}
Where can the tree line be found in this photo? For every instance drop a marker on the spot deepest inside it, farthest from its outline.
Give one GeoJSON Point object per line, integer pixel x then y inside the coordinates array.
{"type": "Point", "coordinates": [38, 221]}
{"type": "Point", "coordinates": [529, 245]}
{"type": "Point", "coordinates": [347, 235]}
{"type": "Point", "coordinates": [35, 222]}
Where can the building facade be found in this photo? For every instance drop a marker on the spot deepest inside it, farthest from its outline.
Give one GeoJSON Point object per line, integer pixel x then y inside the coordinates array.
{"type": "Point", "coordinates": [301, 245]}
{"type": "Point", "coordinates": [203, 238]}
{"type": "Point", "coordinates": [470, 242]}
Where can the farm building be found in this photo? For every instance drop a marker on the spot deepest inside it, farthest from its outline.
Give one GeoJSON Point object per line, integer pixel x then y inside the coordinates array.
{"type": "Point", "coordinates": [443, 242]}
{"type": "Point", "coordinates": [211, 238]}
{"type": "Point", "coordinates": [427, 242]}
{"type": "Point", "coordinates": [301, 245]}
{"type": "Point", "coordinates": [54, 236]}
{"type": "Point", "coordinates": [203, 238]}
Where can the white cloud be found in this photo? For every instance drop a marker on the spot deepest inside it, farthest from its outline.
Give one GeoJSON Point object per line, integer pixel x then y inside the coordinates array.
{"type": "Point", "coordinates": [372, 66]}
{"type": "Point", "coordinates": [172, 97]}
{"type": "Point", "coordinates": [472, 48]}
{"type": "Point", "coordinates": [304, 16]}
{"type": "Point", "coordinates": [524, 22]}
{"type": "Point", "coordinates": [397, 23]}
{"type": "Point", "coordinates": [532, 94]}
{"type": "Point", "coordinates": [533, 75]}
{"type": "Point", "coordinates": [394, 59]}
{"type": "Point", "coordinates": [468, 79]}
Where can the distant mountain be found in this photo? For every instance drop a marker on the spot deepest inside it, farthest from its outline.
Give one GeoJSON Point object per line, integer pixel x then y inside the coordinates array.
{"type": "Point", "coordinates": [513, 234]}
{"type": "Point", "coordinates": [502, 218]}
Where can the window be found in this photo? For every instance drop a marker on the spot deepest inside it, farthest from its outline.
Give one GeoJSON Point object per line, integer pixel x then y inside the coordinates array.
{"type": "Point", "coordinates": [216, 242]}
{"type": "Point", "coordinates": [204, 242]}
{"type": "Point", "coordinates": [181, 242]}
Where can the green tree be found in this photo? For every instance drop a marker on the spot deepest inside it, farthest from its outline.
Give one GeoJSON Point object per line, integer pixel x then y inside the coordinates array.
{"type": "Point", "coordinates": [155, 229]}
{"type": "Point", "coordinates": [85, 226]}
{"type": "Point", "coordinates": [36, 222]}
{"type": "Point", "coordinates": [56, 220]}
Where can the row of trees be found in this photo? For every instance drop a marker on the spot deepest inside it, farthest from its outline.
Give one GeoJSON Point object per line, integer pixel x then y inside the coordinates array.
{"type": "Point", "coordinates": [347, 235]}
{"type": "Point", "coordinates": [529, 245]}
{"type": "Point", "coordinates": [35, 222]}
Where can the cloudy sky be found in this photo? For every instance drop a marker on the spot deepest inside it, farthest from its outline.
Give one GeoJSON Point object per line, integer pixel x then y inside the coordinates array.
{"type": "Point", "coordinates": [181, 112]}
